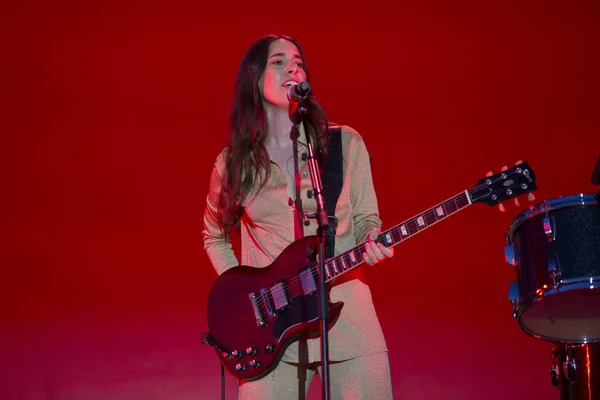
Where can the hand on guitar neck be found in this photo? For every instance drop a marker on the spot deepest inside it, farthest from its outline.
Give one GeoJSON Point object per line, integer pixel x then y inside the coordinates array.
{"type": "Point", "coordinates": [376, 252]}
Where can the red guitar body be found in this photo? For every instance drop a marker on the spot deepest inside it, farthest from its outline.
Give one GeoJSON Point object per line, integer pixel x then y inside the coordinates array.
{"type": "Point", "coordinates": [250, 344]}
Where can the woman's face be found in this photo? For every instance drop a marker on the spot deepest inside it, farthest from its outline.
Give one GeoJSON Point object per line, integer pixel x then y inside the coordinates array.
{"type": "Point", "coordinates": [284, 68]}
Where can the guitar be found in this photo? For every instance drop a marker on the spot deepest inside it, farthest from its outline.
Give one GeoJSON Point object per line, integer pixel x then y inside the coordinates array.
{"type": "Point", "coordinates": [255, 313]}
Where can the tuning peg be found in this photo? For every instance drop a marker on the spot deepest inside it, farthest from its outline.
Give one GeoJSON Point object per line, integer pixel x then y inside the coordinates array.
{"type": "Point", "coordinates": [504, 168]}
{"type": "Point", "coordinates": [519, 162]}
{"type": "Point", "coordinates": [501, 207]}
{"type": "Point", "coordinates": [530, 197]}
{"type": "Point", "coordinates": [516, 202]}
{"type": "Point", "coordinates": [489, 174]}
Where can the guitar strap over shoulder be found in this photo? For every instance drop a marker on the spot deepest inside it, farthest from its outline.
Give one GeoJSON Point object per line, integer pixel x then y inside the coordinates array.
{"type": "Point", "coordinates": [332, 178]}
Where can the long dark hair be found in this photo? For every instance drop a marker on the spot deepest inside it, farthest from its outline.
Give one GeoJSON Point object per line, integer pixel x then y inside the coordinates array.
{"type": "Point", "coordinates": [247, 159]}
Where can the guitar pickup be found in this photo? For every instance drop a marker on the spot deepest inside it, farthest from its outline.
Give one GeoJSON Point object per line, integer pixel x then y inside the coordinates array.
{"type": "Point", "coordinates": [308, 280]}
{"type": "Point", "coordinates": [264, 294]}
{"type": "Point", "coordinates": [257, 314]}
{"type": "Point", "coordinates": [280, 296]}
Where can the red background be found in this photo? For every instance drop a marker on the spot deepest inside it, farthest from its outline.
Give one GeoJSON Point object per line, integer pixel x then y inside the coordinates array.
{"type": "Point", "coordinates": [112, 115]}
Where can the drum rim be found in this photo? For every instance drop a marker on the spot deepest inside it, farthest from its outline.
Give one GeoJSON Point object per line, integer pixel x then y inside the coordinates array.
{"type": "Point", "coordinates": [553, 339]}
{"type": "Point", "coordinates": [567, 285]}
{"type": "Point", "coordinates": [556, 203]}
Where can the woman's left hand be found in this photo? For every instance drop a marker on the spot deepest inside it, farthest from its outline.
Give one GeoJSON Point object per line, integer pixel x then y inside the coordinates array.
{"type": "Point", "coordinates": [376, 252]}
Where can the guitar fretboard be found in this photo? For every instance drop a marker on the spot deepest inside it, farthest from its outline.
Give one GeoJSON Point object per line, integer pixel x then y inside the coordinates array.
{"type": "Point", "coordinates": [352, 258]}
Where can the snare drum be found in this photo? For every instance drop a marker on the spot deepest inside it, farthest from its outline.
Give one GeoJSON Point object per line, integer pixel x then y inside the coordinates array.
{"type": "Point", "coordinates": [554, 248]}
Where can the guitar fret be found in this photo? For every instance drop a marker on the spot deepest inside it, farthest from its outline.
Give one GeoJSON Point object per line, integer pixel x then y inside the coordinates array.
{"type": "Point", "coordinates": [352, 257]}
{"type": "Point", "coordinates": [412, 226]}
{"type": "Point", "coordinates": [387, 237]}
{"type": "Point", "coordinates": [445, 209]}
{"type": "Point", "coordinates": [440, 212]}
{"type": "Point", "coordinates": [430, 217]}
{"type": "Point", "coordinates": [404, 230]}
{"type": "Point", "coordinates": [463, 201]}
{"type": "Point", "coordinates": [328, 274]}
{"type": "Point", "coordinates": [421, 223]}
{"type": "Point", "coordinates": [358, 253]}
{"type": "Point", "coordinates": [451, 207]}
{"type": "Point", "coordinates": [343, 261]}
{"type": "Point", "coordinates": [336, 271]}
{"type": "Point", "coordinates": [396, 234]}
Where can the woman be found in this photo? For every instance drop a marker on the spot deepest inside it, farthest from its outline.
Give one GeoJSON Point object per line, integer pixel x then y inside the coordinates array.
{"type": "Point", "coordinates": [261, 186]}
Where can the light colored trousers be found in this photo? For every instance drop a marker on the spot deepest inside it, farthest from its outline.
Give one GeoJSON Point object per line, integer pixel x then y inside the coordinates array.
{"type": "Point", "coordinates": [359, 378]}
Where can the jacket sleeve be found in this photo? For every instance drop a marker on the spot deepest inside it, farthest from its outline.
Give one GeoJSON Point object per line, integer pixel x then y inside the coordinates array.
{"type": "Point", "coordinates": [217, 247]}
{"type": "Point", "coordinates": [365, 211]}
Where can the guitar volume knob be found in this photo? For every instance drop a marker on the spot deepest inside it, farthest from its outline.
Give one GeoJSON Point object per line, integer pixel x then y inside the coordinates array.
{"type": "Point", "coordinates": [251, 351]}
{"type": "Point", "coordinates": [240, 367]}
{"type": "Point", "coordinates": [254, 364]}
{"type": "Point", "coordinates": [269, 348]}
{"type": "Point", "coordinates": [236, 354]}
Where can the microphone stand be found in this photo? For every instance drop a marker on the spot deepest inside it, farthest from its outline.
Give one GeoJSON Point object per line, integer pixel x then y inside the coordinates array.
{"type": "Point", "coordinates": [297, 116]}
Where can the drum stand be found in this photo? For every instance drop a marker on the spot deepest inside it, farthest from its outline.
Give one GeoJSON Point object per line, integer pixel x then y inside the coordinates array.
{"type": "Point", "coordinates": [576, 371]}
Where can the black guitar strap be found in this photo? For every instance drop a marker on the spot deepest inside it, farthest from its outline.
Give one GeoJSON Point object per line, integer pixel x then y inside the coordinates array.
{"type": "Point", "coordinates": [332, 178]}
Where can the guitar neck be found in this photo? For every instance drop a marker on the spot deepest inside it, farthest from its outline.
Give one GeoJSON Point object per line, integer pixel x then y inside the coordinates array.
{"type": "Point", "coordinates": [348, 260]}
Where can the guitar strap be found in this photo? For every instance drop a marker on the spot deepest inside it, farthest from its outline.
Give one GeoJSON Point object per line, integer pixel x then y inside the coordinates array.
{"type": "Point", "coordinates": [332, 178]}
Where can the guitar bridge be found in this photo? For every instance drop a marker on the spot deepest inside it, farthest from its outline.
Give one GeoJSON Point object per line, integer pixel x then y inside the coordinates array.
{"type": "Point", "coordinates": [257, 314]}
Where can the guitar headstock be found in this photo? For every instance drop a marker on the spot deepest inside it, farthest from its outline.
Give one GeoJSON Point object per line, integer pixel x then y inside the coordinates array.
{"type": "Point", "coordinates": [506, 184]}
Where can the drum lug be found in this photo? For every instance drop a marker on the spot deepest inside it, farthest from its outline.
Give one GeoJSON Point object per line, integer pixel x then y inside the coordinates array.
{"type": "Point", "coordinates": [514, 297]}
{"type": "Point", "coordinates": [570, 369]}
{"type": "Point", "coordinates": [509, 254]}
{"type": "Point", "coordinates": [555, 371]}
{"type": "Point", "coordinates": [554, 377]}
{"type": "Point", "coordinates": [554, 271]}
{"type": "Point", "coordinates": [547, 227]}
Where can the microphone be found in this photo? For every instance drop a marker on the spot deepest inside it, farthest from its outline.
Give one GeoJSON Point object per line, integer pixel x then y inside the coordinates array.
{"type": "Point", "coordinates": [299, 93]}
{"type": "Point", "coordinates": [596, 173]}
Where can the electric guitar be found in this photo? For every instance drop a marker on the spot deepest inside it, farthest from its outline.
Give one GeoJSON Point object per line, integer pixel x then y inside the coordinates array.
{"type": "Point", "coordinates": [255, 313]}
